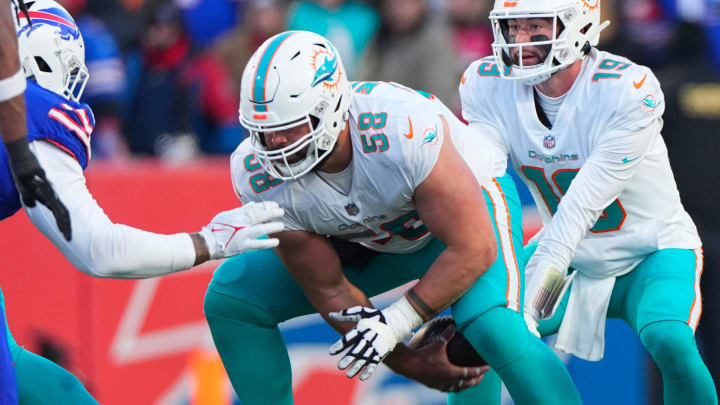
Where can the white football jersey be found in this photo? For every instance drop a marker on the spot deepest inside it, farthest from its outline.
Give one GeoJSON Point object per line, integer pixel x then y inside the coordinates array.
{"type": "Point", "coordinates": [623, 204]}
{"type": "Point", "coordinates": [396, 135]}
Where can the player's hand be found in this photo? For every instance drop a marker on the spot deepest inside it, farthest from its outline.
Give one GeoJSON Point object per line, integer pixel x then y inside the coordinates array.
{"type": "Point", "coordinates": [531, 320]}
{"type": "Point", "coordinates": [33, 185]}
{"type": "Point", "coordinates": [430, 366]}
{"type": "Point", "coordinates": [236, 231]}
{"type": "Point", "coordinates": [369, 342]}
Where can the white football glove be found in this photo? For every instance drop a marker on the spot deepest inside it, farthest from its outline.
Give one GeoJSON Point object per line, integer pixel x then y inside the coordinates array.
{"type": "Point", "coordinates": [546, 286]}
{"type": "Point", "coordinates": [236, 231]}
{"type": "Point", "coordinates": [375, 335]}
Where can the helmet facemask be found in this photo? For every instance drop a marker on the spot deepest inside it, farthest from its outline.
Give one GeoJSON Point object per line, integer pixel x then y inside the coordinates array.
{"type": "Point", "coordinates": [53, 54]}
{"type": "Point", "coordinates": [318, 143]}
{"type": "Point", "coordinates": [574, 31]}
{"type": "Point", "coordinates": [295, 79]}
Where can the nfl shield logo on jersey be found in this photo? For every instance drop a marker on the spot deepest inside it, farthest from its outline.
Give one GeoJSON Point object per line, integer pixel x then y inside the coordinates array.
{"type": "Point", "coordinates": [352, 209]}
{"type": "Point", "coordinates": [549, 141]}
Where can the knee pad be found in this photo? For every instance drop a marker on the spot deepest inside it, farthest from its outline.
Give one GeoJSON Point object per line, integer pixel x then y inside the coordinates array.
{"type": "Point", "coordinates": [499, 335]}
{"type": "Point", "coordinates": [672, 346]}
{"type": "Point", "coordinates": [222, 306]}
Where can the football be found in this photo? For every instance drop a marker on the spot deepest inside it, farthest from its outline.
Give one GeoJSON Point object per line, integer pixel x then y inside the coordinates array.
{"type": "Point", "coordinates": [459, 350]}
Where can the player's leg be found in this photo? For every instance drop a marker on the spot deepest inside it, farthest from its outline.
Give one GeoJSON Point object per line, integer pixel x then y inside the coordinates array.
{"type": "Point", "coordinates": [8, 388]}
{"type": "Point", "coordinates": [490, 316]}
{"type": "Point", "coordinates": [250, 294]}
{"type": "Point", "coordinates": [40, 381]}
{"type": "Point", "coordinates": [661, 301]}
{"type": "Point", "coordinates": [246, 299]}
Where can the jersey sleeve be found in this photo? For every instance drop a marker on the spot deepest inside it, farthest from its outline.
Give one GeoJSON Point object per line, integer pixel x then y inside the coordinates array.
{"type": "Point", "coordinates": [632, 129]}
{"type": "Point", "coordinates": [639, 101]}
{"type": "Point", "coordinates": [475, 100]}
{"type": "Point", "coordinates": [422, 138]}
{"type": "Point", "coordinates": [251, 183]}
{"type": "Point", "coordinates": [100, 247]}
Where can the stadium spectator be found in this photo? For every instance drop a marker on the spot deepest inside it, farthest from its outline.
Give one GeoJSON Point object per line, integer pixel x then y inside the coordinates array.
{"type": "Point", "coordinates": [105, 88]}
{"type": "Point", "coordinates": [349, 24]}
{"type": "Point", "coordinates": [470, 30]}
{"type": "Point", "coordinates": [207, 20]}
{"type": "Point", "coordinates": [262, 19]}
{"type": "Point", "coordinates": [412, 48]}
{"type": "Point", "coordinates": [183, 100]}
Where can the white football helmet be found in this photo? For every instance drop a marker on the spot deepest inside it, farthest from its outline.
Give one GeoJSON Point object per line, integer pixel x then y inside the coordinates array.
{"type": "Point", "coordinates": [576, 28]}
{"type": "Point", "coordinates": [295, 78]}
{"type": "Point", "coordinates": [52, 52]}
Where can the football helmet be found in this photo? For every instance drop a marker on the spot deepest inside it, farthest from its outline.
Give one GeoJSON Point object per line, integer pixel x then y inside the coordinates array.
{"type": "Point", "coordinates": [52, 52]}
{"type": "Point", "coordinates": [295, 78]}
{"type": "Point", "coordinates": [576, 29]}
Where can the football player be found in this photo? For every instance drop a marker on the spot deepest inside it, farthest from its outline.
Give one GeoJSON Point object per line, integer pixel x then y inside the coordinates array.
{"type": "Point", "coordinates": [59, 128]}
{"type": "Point", "coordinates": [376, 193]}
{"type": "Point", "coordinates": [582, 127]}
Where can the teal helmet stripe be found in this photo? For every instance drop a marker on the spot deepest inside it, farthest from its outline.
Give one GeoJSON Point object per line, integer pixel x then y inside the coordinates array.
{"type": "Point", "coordinates": [262, 70]}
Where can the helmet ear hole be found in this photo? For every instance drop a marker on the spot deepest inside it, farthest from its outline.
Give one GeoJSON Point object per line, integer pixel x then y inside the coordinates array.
{"type": "Point", "coordinates": [314, 122]}
{"type": "Point", "coordinates": [44, 67]}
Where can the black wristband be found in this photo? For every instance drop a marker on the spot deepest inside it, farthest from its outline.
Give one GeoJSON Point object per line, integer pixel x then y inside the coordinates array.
{"type": "Point", "coordinates": [18, 150]}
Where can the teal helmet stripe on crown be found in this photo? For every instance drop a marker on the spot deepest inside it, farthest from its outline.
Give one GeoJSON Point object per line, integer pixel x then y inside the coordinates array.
{"type": "Point", "coordinates": [262, 70]}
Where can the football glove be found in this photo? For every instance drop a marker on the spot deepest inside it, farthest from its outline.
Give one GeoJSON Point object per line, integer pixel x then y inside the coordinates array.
{"type": "Point", "coordinates": [236, 231]}
{"type": "Point", "coordinates": [374, 337]}
{"type": "Point", "coordinates": [33, 185]}
{"type": "Point", "coordinates": [545, 290]}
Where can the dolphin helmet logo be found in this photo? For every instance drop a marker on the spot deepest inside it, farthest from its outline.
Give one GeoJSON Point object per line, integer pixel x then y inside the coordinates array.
{"type": "Point", "coordinates": [326, 68]}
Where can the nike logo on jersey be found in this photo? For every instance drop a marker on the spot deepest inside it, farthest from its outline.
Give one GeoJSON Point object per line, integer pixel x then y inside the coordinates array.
{"type": "Point", "coordinates": [640, 83]}
{"type": "Point", "coordinates": [626, 160]}
{"type": "Point", "coordinates": [409, 135]}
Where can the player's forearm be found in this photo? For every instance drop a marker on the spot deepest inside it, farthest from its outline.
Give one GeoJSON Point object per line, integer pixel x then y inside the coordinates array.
{"type": "Point", "coordinates": [12, 111]}
{"type": "Point", "coordinates": [334, 298]}
{"type": "Point", "coordinates": [449, 277]}
{"type": "Point", "coordinates": [100, 247]}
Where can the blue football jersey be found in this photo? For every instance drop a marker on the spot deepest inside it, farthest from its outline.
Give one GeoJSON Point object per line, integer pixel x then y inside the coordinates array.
{"type": "Point", "coordinates": [50, 117]}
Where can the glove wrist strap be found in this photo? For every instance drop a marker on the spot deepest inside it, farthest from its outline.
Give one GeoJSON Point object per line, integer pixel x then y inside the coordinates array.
{"type": "Point", "coordinates": [18, 151]}
{"type": "Point", "coordinates": [402, 318]}
{"type": "Point", "coordinates": [210, 243]}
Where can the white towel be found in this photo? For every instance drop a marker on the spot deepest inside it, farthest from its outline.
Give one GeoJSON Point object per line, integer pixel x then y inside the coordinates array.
{"type": "Point", "coordinates": [582, 331]}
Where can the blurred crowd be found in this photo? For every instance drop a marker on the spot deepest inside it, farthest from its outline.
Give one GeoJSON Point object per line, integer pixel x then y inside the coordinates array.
{"type": "Point", "coordinates": [165, 73]}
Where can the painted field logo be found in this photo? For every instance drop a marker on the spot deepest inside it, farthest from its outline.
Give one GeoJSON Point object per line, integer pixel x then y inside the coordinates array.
{"type": "Point", "coordinates": [549, 141]}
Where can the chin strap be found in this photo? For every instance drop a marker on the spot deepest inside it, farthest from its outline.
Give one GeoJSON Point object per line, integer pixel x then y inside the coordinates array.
{"type": "Point", "coordinates": [592, 33]}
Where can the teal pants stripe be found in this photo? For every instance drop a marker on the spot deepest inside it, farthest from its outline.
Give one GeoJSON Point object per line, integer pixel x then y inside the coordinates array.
{"type": "Point", "coordinates": [42, 382]}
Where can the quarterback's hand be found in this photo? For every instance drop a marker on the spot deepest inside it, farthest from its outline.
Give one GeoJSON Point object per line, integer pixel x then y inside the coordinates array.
{"type": "Point", "coordinates": [33, 185]}
{"type": "Point", "coordinates": [235, 231]}
{"type": "Point", "coordinates": [531, 320]}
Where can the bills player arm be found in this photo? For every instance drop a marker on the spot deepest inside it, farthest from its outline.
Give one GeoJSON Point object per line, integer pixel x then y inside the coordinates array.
{"type": "Point", "coordinates": [102, 248]}
{"type": "Point", "coordinates": [632, 126]}
{"type": "Point", "coordinates": [30, 178]}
